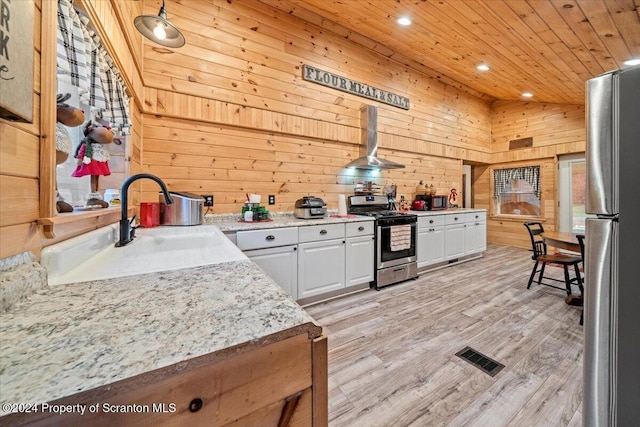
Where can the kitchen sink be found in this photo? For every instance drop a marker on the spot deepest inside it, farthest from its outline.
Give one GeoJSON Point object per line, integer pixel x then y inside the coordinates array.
{"type": "Point", "coordinates": [93, 256]}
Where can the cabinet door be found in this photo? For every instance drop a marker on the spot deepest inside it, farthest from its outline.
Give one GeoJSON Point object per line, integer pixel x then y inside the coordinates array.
{"type": "Point", "coordinates": [359, 260]}
{"type": "Point", "coordinates": [281, 264]}
{"type": "Point", "coordinates": [431, 246]}
{"type": "Point", "coordinates": [436, 245]}
{"type": "Point", "coordinates": [454, 241]}
{"type": "Point", "coordinates": [422, 247]}
{"type": "Point", "coordinates": [321, 267]}
{"type": "Point", "coordinates": [482, 236]}
{"type": "Point", "coordinates": [475, 237]}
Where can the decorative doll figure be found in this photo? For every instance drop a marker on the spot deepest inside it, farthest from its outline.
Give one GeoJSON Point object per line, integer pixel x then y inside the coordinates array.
{"type": "Point", "coordinates": [453, 198]}
{"type": "Point", "coordinates": [68, 116]}
{"type": "Point", "coordinates": [93, 158]}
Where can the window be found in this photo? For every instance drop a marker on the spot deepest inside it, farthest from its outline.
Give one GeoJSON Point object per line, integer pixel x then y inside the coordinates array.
{"type": "Point", "coordinates": [88, 79]}
{"type": "Point", "coordinates": [517, 191]}
{"type": "Point", "coordinates": [571, 191]}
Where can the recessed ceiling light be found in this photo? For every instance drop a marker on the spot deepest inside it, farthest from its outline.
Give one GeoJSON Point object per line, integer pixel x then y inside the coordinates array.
{"type": "Point", "coordinates": [632, 61]}
{"type": "Point", "coordinates": [483, 67]}
{"type": "Point", "coordinates": [404, 21]}
{"type": "Point", "coordinates": [527, 94]}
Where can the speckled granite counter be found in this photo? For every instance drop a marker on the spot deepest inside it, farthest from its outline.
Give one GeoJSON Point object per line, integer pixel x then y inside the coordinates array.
{"type": "Point", "coordinates": [447, 211]}
{"type": "Point", "coordinates": [73, 338]}
{"type": "Point", "coordinates": [231, 223]}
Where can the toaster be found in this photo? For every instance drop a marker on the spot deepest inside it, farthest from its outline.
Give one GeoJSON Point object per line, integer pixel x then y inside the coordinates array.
{"type": "Point", "coordinates": [419, 205]}
{"type": "Point", "coordinates": [310, 207]}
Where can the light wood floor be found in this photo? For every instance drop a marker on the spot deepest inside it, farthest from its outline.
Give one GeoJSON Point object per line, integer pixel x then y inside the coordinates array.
{"type": "Point", "coordinates": [392, 353]}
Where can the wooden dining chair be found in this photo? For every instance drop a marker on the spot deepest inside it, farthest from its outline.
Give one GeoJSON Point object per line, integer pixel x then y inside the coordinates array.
{"type": "Point", "coordinates": [542, 258]}
{"type": "Point", "coordinates": [580, 238]}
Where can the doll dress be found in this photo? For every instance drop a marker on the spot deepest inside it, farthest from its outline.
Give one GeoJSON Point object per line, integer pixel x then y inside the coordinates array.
{"type": "Point", "coordinates": [94, 167]}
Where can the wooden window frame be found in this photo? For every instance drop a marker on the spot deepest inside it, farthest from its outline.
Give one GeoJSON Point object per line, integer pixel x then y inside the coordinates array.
{"type": "Point", "coordinates": [60, 227]}
{"type": "Point", "coordinates": [492, 209]}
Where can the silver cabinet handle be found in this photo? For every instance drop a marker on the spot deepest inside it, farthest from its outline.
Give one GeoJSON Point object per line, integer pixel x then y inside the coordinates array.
{"type": "Point", "coordinates": [361, 228]}
{"type": "Point", "coordinates": [270, 237]}
{"type": "Point", "coordinates": [430, 221]}
{"type": "Point", "coordinates": [323, 231]}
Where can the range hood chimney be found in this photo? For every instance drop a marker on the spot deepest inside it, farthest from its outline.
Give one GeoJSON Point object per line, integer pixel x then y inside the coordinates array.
{"type": "Point", "coordinates": [369, 148]}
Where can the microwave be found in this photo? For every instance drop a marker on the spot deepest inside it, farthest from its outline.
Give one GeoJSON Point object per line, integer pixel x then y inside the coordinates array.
{"type": "Point", "coordinates": [433, 203]}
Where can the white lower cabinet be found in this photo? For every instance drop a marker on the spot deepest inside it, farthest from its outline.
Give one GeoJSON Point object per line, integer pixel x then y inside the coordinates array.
{"type": "Point", "coordinates": [321, 267]}
{"type": "Point", "coordinates": [334, 256]}
{"type": "Point", "coordinates": [281, 264]}
{"type": "Point", "coordinates": [359, 260]}
{"type": "Point", "coordinates": [275, 251]}
{"type": "Point", "coordinates": [449, 236]}
{"type": "Point", "coordinates": [430, 247]}
{"type": "Point", "coordinates": [310, 261]}
{"type": "Point", "coordinates": [454, 236]}
{"type": "Point", "coordinates": [475, 238]}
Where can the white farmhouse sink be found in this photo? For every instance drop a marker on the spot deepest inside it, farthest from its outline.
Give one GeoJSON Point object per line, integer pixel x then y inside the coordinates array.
{"type": "Point", "coordinates": [93, 256]}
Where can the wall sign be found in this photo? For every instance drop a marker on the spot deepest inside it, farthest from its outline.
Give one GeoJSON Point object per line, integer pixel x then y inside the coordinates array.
{"type": "Point", "coordinates": [344, 84]}
{"type": "Point", "coordinates": [16, 60]}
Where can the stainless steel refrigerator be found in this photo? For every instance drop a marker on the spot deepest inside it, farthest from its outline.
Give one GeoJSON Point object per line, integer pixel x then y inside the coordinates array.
{"type": "Point", "coordinates": [612, 251]}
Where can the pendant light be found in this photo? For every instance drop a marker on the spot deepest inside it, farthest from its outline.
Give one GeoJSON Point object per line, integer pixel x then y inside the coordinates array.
{"type": "Point", "coordinates": [158, 29]}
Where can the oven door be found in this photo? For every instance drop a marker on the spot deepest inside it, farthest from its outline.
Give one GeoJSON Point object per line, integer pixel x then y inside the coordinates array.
{"type": "Point", "coordinates": [390, 251]}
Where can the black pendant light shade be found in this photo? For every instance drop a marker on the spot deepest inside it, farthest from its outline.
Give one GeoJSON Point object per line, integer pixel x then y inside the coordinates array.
{"type": "Point", "coordinates": [158, 29]}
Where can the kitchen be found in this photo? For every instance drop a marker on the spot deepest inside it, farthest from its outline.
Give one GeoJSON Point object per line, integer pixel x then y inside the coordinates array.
{"type": "Point", "coordinates": [230, 114]}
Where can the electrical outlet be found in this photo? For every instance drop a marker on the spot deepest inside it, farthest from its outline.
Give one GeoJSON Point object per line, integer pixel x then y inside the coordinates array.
{"type": "Point", "coordinates": [208, 199]}
{"type": "Point", "coordinates": [272, 199]}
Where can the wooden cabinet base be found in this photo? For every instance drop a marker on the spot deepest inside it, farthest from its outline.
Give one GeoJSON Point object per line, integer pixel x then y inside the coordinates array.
{"type": "Point", "coordinates": [279, 384]}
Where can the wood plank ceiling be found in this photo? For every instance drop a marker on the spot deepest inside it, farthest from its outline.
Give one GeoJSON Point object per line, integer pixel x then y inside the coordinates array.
{"type": "Point", "coordinates": [546, 47]}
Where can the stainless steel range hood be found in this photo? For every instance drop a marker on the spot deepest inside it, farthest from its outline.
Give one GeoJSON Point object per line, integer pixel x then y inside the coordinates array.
{"type": "Point", "coordinates": [369, 148]}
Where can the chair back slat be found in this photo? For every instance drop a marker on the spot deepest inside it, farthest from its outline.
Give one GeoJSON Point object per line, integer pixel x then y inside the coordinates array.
{"type": "Point", "coordinates": [538, 246]}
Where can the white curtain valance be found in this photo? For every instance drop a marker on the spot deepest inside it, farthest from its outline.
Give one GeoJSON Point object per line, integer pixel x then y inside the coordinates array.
{"type": "Point", "coordinates": [502, 178]}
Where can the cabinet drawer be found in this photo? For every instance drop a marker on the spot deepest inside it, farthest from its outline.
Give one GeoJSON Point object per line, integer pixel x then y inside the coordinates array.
{"type": "Point", "coordinates": [476, 216]}
{"type": "Point", "coordinates": [359, 228]}
{"type": "Point", "coordinates": [271, 237]}
{"type": "Point", "coordinates": [431, 221]}
{"type": "Point", "coordinates": [315, 233]}
{"type": "Point", "coordinates": [457, 218]}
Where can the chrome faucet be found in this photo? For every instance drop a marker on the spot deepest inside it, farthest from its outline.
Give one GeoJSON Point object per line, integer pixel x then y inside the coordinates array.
{"type": "Point", "coordinates": [127, 232]}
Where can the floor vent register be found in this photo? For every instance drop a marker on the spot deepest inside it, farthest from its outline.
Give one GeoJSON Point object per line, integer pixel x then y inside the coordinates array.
{"type": "Point", "coordinates": [480, 361]}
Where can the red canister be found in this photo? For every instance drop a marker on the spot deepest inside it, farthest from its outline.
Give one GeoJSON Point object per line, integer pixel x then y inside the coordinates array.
{"type": "Point", "coordinates": [150, 214]}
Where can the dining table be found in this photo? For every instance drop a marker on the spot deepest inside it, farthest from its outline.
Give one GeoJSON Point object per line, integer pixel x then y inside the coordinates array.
{"type": "Point", "coordinates": [562, 240]}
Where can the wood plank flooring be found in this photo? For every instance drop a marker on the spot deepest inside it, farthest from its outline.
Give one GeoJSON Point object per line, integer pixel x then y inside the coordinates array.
{"type": "Point", "coordinates": [392, 353]}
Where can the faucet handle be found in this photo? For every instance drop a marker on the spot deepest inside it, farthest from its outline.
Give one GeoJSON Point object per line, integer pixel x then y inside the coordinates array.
{"type": "Point", "coordinates": [132, 228]}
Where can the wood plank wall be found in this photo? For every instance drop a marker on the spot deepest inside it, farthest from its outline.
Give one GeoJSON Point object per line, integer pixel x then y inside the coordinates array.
{"type": "Point", "coordinates": [229, 113]}
{"type": "Point", "coordinates": [556, 130]}
{"type": "Point", "coordinates": [20, 168]}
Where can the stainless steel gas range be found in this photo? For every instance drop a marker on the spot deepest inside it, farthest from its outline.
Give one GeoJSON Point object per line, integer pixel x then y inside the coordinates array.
{"type": "Point", "coordinates": [395, 238]}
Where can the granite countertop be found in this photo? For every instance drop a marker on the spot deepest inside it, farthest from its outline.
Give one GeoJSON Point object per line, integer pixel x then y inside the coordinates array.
{"type": "Point", "coordinates": [231, 222]}
{"type": "Point", "coordinates": [447, 211]}
{"type": "Point", "coordinates": [81, 337]}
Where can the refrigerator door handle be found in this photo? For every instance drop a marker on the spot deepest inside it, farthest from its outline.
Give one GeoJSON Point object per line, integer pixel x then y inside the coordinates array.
{"type": "Point", "coordinates": [599, 322]}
